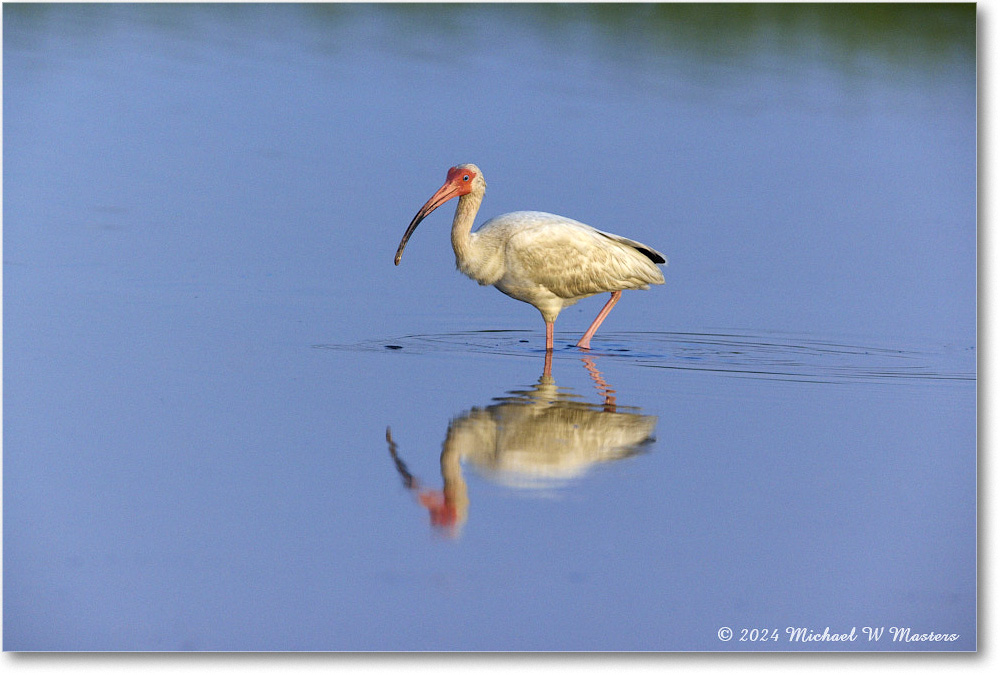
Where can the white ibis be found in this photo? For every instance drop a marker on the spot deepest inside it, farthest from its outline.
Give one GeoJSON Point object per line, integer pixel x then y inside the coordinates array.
{"type": "Point", "coordinates": [540, 437]}
{"type": "Point", "coordinates": [545, 260]}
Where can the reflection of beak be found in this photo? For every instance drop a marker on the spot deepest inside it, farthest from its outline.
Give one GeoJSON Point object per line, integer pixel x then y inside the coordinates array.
{"type": "Point", "coordinates": [447, 191]}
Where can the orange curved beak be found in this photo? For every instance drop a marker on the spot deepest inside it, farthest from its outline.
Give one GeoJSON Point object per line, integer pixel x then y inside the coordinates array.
{"type": "Point", "coordinates": [446, 192]}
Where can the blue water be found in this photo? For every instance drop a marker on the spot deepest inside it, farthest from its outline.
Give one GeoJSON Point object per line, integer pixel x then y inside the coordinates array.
{"type": "Point", "coordinates": [230, 423]}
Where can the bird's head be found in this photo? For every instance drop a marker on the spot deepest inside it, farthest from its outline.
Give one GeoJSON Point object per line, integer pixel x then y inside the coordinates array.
{"type": "Point", "coordinates": [461, 180]}
{"type": "Point", "coordinates": [464, 178]}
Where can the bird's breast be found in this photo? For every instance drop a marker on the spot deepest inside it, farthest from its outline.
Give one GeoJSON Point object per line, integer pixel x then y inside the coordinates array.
{"type": "Point", "coordinates": [482, 260]}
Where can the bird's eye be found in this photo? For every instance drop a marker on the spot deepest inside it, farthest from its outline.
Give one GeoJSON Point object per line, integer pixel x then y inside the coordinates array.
{"type": "Point", "coordinates": [465, 177]}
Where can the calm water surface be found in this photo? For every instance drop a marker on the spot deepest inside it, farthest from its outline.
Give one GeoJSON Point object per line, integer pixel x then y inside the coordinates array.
{"type": "Point", "coordinates": [231, 423]}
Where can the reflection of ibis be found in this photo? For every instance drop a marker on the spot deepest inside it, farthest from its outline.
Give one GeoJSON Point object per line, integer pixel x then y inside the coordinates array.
{"type": "Point", "coordinates": [542, 259]}
{"type": "Point", "coordinates": [542, 437]}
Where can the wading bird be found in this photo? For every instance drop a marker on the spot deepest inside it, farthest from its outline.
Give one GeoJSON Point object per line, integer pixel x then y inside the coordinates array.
{"type": "Point", "coordinates": [545, 260]}
{"type": "Point", "coordinates": [541, 437]}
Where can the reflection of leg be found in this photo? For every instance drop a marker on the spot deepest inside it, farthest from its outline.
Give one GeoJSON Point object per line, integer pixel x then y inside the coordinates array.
{"type": "Point", "coordinates": [602, 386]}
{"type": "Point", "coordinates": [584, 342]}
{"type": "Point", "coordinates": [547, 371]}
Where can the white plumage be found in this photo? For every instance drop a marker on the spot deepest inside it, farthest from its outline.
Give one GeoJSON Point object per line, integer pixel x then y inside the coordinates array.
{"type": "Point", "coordinates": [540, 437]}
{"type": "Point", "coordinates": [545, 260]}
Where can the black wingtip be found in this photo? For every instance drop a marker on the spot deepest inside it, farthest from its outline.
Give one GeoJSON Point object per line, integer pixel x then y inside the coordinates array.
{"type": "Point", "coordinates": [652, 255]}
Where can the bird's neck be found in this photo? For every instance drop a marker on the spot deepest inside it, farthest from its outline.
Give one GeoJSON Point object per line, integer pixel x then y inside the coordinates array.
{"type": "Point", "coordinates": [456, 492]}
{"type": "Point", "coordinates": [461, 227]}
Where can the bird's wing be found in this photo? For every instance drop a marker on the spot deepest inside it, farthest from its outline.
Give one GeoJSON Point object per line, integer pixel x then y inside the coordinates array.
{"type": "Point", "coordinates": [575, 260]}
{"type": "Point", "coordinates": [647, 251]}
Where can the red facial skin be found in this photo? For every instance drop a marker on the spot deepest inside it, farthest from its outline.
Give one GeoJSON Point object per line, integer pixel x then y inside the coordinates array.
{"type": "Point", "coordinates": [443, 513]}
{"type": "Point", "coordinates": [460, 179]}
{"type": "Point", "coordinates": [458, 183]}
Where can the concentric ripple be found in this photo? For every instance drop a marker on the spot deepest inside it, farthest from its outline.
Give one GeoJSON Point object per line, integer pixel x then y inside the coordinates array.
{"type": "Point", "coordinates": [764, 355]}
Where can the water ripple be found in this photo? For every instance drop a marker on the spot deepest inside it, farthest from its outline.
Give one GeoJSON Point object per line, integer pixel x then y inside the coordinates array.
{"type": "Point", "coordinates": [776, 356]}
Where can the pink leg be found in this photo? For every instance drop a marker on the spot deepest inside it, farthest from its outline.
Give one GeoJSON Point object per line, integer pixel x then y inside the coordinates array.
{"type": "Point", "coordinates": [599, 382]}
{"type": "Point", "coordinates": [548, 336]}
{"type": "Point", "coordinates": [584, 342]}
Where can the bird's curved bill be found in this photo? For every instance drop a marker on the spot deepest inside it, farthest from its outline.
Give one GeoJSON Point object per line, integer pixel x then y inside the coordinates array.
{"type": "Point", "coordinates": [446, 192]}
